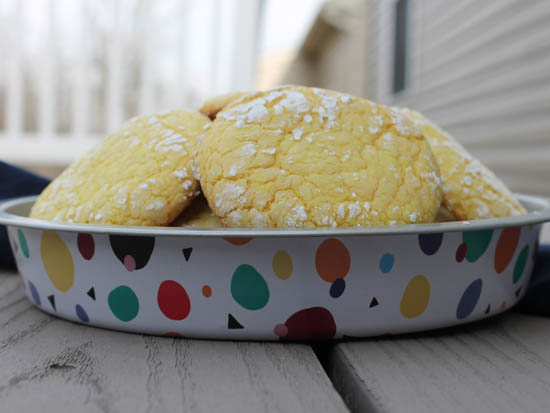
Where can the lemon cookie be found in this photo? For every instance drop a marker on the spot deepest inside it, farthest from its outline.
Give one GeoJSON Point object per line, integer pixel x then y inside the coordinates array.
{"type": "Point", "coordinates": [470, 189]}
{"type": "Point", "coordinates": [197, 214]}
{"type": "Point", "coordinates": [443, 215]}
{"type": "Point", "coordinates": [139, 175]}
{"type": "Point", "coordinates": [306, 157]}
{"type": "Point", "coordinates": [212, 106]}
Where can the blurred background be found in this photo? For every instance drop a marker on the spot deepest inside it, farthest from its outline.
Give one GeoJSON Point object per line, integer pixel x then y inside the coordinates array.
{"type": "Point", "coordinates": [72, 70]}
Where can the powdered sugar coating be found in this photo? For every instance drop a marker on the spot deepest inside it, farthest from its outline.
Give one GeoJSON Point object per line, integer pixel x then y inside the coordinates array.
{"type": "Point", "coordinates": [315, 162]}
{"type": "Point", "coordinates": [139, 175]}
{"type": "Point", "coordinates": [470, 189]}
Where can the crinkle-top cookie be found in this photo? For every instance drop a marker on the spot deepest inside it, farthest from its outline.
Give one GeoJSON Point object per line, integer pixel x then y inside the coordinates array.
{"type": "Point", "coordinates": [212, 106]}
{"type": "Point", "coordinates": [470, 189]}
{"type": "Point", "coordinates": [197, 215]}
{"type": "Point", "coordinates": [140, 175]}
{"type": "Point", "coordinates": [306, 157]}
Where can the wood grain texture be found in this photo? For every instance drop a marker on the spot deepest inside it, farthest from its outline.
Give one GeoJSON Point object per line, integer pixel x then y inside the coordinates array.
{"type": "Point", "coordinates": [500, 365]}
{"type": "Point", "coordinates": [52, 365]}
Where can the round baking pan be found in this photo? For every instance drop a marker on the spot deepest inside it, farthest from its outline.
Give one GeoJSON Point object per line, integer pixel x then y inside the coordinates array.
{"type": "Point", "coordinates": [266, 284]}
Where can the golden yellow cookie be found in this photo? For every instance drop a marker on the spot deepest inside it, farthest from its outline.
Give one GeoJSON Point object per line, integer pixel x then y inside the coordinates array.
{"type": "Point", "coordinates": [470, 189]}
{"type": "Point", "coordinates": [212, 106]}
{"type": "Point", "coordinates": [197, 214]}
{"type": "Point", "coordinates": [139, 175]}
{"type": "Point", "coordinates": [443, 215]}
{"type": "Point", "coordinates": [305, 157]}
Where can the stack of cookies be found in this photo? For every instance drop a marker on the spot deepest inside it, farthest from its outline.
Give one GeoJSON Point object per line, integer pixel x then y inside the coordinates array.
{"type": "Point", "coordinates": [288, 157]}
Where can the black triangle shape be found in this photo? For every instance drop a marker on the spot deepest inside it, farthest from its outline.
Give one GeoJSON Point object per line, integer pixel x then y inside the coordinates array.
{"type": "Point", "coordinates": [518, 292]}
{"type": "Point", "coordinates": [91, 293]}
{"type": "Point", "coordinates": [232, 323]}
{"type": "Point", "coordinates": [51, 299]}
{"type": "Point", "coordinates": [374, 302]}
{"type": "Point", "coordinates": [488, 310]}
{"type": "Point", "coordinates": [187, 253]}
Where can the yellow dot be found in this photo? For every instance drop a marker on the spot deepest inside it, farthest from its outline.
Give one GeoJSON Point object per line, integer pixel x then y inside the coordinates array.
{"type": "Point", "coordinates": [415, 297]}
{"type": "Point", "coordinates": [57, 261]}
{"type": "Point", "coordinates": [282, 265]}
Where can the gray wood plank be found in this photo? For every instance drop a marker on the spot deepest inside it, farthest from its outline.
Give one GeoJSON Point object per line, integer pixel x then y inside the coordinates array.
{"type": "Point", "coordinates": [499, 365]}
{"type": "Point", "coordinates": [52, 365]}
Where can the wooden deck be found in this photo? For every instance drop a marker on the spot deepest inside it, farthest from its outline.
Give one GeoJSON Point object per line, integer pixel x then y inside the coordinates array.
{"type": "Point", "coordinates": [52, 365]}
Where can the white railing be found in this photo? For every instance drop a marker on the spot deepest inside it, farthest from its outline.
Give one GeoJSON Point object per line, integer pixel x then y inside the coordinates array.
{"type": "Point", "coordinates": [72, 70]}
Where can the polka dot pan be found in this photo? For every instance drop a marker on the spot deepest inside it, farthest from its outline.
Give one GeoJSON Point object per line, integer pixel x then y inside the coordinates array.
{"type": "Point", "coordinates": [287, 285]}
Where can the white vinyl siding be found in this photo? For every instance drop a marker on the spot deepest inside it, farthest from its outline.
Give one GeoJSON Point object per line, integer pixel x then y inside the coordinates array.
{"type": "Point", "coordinates": [481, 70]}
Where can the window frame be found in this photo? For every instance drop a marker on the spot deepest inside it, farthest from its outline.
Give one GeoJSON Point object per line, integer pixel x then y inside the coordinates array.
{"type": "Point", "coordinates": [401, 20]}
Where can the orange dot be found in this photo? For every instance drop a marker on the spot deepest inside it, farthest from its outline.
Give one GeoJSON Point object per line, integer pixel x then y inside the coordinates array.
{"type": "Point", "coordinates": [332, 260]}
{"type": "Point", "coordinates": [506, 246]}
{"type": "Point", "coordinates": [238, 241]}
{"type": "Point", "coordinates": [503, 305]}
{"type": "Point", "coordinates": [206, 291]}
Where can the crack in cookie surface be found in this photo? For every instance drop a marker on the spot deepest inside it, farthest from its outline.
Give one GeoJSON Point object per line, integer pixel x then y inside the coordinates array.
{"type": "Point", "coordinates": [305, 157]}
{"type": "Point", "coordinates": [470, 189]}
{"type": "Point", "coordinates": [138, 175]}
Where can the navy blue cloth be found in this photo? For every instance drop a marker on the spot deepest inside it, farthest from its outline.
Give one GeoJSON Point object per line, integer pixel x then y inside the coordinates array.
{"type": "Point", "coordinates": [537, 299]}
{"type": "Point", "coordinates": [16, 182]}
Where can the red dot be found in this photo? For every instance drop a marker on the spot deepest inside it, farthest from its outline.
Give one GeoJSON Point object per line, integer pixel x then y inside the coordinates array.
{"type": "Point", "coordinates": [461, 252]}
{"type": "Point", "coordinates": [315, 323]}
{"type": "Point", "coordinates": [503, 305]}
{"type": "Point", "coordinates": [206, 291]}
{"type": "Point", "coordinates": [86, 246]}
{"type": "Point", "coordinates": [173, 300]}
{"type": "Point", "coordinates": [172, 334]}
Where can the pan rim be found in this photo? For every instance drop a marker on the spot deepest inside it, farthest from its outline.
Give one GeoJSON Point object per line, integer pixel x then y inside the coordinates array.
{"type": "Point", "coordinates": [539, 215]}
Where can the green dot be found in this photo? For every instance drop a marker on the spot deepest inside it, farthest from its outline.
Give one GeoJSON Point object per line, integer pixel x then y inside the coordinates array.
{"type": "Point", "coordinates": [23, 243]}
{"type": "Point", "coordinates": [124, 303]}
{"type": "Point", "coordinates": [520, 263]}
{"type": "Point", "coordinates": [477, 243]}
{"type": "Point", "coordinates": [249, 288]}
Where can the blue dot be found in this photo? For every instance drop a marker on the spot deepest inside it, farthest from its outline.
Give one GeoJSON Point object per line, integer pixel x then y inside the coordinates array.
{"type": "Point", "coordinates": [469, 299]}
{"type": "Point", "coordinates": [386, 263]}
{"type": "Point", "coordinates": [34, 293]}
{"type": "Point", "coordinates": [337, 288]}
{"type": "Point", "coordinates": [81, 313]}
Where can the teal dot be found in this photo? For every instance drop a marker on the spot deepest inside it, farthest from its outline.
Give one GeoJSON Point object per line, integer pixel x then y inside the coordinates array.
{"type": "Point", "coordinates": [249, 288]}
{"type": "Point", "coordinates": [520, 264]}
{"type": "Point", "coordinates": [124, 303]}
{"type": "Point", "coordinates": [477, 243]}
{"type": "Point", "coordinates": [23, 243]}
{"type": "Point", "coordinates": [386, 263]}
